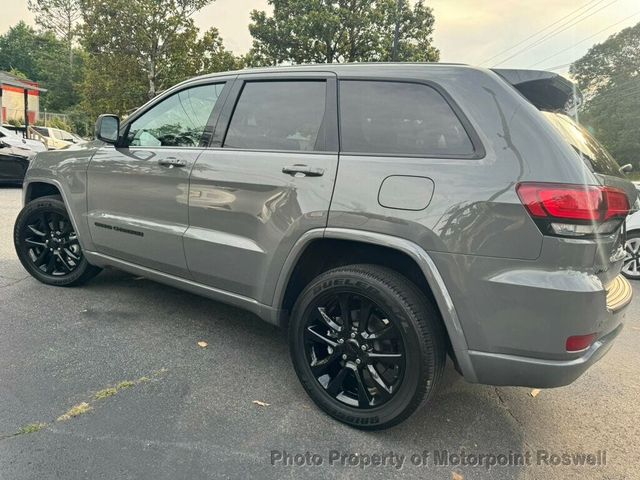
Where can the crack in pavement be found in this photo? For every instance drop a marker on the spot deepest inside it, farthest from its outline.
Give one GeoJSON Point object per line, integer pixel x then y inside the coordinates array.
{"type": "Point", "coordinates": [517, 420]}
{"type": "Point", "coordinates": [15, 281]}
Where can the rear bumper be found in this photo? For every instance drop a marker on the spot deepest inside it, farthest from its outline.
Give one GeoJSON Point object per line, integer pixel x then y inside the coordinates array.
{"type": "Point", "coordinates": [500, 369]}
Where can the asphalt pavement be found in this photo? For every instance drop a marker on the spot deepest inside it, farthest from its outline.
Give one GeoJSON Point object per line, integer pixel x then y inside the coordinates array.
{"type": "Point", "coordinates": [107, 381]}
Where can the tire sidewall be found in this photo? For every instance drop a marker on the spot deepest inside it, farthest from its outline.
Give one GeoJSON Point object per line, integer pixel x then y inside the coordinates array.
{"type": "Point", "coordinates": [50, 205]}
{"type": "Point", "coordinates": [392, 411]}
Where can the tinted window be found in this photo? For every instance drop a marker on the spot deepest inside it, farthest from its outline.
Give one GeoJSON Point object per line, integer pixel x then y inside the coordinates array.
{"type": "Point", "coordinates": [278, 116]}
{"type": "Point", "coordinates": [585, 145]}
{"type": "Point", "coordinates": [42, 131]}
{"type": "Point", "coordinates": [178, 121]}
{"type": "Point", "coordinates": [399, 118]}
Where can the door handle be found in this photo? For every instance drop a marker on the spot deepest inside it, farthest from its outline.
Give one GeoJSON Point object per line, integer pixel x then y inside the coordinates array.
{"type": "Point", "coordinates": [172, 162]}
{"type": "Point", "coordinates": [303, 171]}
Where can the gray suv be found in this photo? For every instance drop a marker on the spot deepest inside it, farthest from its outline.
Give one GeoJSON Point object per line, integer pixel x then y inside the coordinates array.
{"type": "Point", "coordinates": [388, 215]}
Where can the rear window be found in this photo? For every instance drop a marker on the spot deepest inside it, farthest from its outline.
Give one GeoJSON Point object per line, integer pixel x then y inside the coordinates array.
{"type": "Point", "coordinates": [385, 117]}
{"type": "Point", "coordinates": [584, 144]}
{"type": "Point", "coordinates": [42, 131]}
{"type": "Point", "coordinates": [279, 115]}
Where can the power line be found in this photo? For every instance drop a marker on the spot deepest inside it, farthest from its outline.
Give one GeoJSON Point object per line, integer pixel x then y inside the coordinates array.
{"type": "Point", "coordinates": [584, 39]}
{"type": "Point", "coordinates": [540, 31]}
{"type": "Point", "coordinates": [555, 32]}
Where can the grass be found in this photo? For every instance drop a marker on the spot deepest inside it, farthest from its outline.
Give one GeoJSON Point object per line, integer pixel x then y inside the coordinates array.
{"type": "Point", "coordinates": [75, 411]}
{"type": "Point", "coordinates": [85, 407]}
{"type": "Point", "coordinates": [105, 393]}
{"type": "Point", "coordinates": [31, 428]}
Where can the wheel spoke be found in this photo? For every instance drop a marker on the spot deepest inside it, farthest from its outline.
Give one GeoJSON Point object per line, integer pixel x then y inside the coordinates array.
{"type": "Point", "coordinates": [384, 389]}
{"type": "Point", "coordinates": [381, 334]}
{"type": "Point", "coordinates": [364, 397]}
{"type": "Point", "coordinates": [322, 338]}
{"type": "Point", "coordinates": [335, 385]}
{"type": "Point", "coordinates": [387, 358]}
{"type": "Point", "coordinates": [51, 265]}
{"type": "Point", "coordinates": [36, 231]}
{"type": "Point", "coordinates": [320, 368]}
{"type": "Point", "coordinates": [366, 306]}
{"type": "Point", "coordinates": [345, 312]}
{"type": "Point", "coordinates": [33, 242]}
{"type": "Point", "coordinates": [41, 258]}
{"type": "Point", "coordinates": [328, 320]}
{"type": "Point", "coordinates": [71, 254]}
{"type": "Point", "coordinates": [63, 261]}
{"type": "Point", "coordinates": [46, 228]}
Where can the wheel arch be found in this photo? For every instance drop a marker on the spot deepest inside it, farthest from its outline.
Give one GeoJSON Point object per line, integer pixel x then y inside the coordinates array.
{"type": "Point", "coordinates": [38, 189]}
{"type": "Point", "coordinates": [321, 250]}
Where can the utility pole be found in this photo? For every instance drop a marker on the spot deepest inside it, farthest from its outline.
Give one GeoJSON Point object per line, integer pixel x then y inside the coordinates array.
{"type": "Point", "coordinates": [396, 35]}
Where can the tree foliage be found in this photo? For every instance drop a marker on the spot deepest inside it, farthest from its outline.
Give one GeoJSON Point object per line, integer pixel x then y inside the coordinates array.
{"type": "Point", "coordinates": [327, 31]}
{"type": "Point", "coordinates": [40, 56]}
{"type": "Point", "coordinates": [60, 17]}
{"type": "Point", "coordinates": [162, 46]}
{"type": "Point", "coordinates": [609, 76]}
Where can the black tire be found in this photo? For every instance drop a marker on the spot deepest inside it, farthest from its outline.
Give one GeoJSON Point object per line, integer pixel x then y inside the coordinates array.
{"type": "Point", "coordinates": [411, 319]}
{"type": "Point", "coordinates": [36, 229]}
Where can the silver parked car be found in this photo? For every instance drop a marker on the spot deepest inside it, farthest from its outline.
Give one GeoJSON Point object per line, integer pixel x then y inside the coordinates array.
{"type": "Point", "coordinates": [631, 267]}
{"type": "Point", "coordinates": [387, 215]}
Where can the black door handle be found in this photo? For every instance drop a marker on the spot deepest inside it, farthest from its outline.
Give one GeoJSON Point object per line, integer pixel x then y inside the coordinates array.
{"type": "Point", "coordinates": [172, 162]}
{"type": "Point", "coordinates": [303, 171]}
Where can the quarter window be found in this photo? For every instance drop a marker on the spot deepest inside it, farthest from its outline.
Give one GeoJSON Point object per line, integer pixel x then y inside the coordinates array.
{"type": "Point", "coordinates": [278, 115]}
{"type": "Point", "coordinates": [399, 118]}
{"type": "Point", "coordinates": [178, 121]}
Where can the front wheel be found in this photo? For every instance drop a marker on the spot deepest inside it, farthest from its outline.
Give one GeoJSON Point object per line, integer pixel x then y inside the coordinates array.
{"type": "Point", "coordinates": [47, 244]}
{"type": "Point", "coordinates": [367, 345]}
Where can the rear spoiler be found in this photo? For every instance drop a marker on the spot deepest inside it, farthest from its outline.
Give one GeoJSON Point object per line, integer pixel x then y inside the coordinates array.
{"type": "Point", "coordinates": [545, 90]}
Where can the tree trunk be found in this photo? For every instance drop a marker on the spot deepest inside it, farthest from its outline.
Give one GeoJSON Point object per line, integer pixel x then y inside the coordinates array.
{"type": "Point", "coordinates": [151, 76]}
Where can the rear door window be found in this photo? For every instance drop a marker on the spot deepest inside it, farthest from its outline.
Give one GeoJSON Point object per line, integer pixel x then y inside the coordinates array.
{"type": "Point", "coordinates": [387, 117]}
{"type": "Point", "coordinates": [279, 115]}
{"type": "Point", "coordinates": [584, 144]}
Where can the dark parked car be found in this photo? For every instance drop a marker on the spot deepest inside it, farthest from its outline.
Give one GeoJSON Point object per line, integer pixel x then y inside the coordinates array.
{"type": "Point", "coordinates": [388, 215]}
{"type": "Point", "coordinates": [15, 153]}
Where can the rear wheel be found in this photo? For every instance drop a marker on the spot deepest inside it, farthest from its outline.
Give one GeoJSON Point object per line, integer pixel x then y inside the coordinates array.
{"type": "Point", "coordinates": [631, 265]}
{"type": "Point", "coordinates": [47, 244]}
{"type": "Point", "coordinates": [367, 345]}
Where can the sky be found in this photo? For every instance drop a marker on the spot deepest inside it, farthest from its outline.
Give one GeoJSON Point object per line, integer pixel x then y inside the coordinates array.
{"type": "Point", "coordinates": [466, 31]}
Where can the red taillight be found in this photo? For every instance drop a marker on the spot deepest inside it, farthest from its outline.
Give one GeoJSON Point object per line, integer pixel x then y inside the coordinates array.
{"type": "Point", "coordinates": [617, 203]}
{"type": "Point", "coordinates": [578, 343]}
{"type": "Point", "coordinates": [574, 209]}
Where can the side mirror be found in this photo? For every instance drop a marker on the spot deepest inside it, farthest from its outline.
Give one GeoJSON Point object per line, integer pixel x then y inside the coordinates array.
{"type": "Point", "coordinates": [626, 168]}
{"type": "Point", "coordinates": [108, 128]}
{"type": "Point", "coordinates": [3, 144]}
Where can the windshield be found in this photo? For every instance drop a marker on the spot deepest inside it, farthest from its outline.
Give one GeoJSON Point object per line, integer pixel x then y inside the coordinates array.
{"type": "Point", "coordinates": [591, 151]}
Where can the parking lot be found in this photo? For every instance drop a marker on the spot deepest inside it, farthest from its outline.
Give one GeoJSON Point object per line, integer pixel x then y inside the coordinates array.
{"type": "Point", "coordinates": [155, 404]}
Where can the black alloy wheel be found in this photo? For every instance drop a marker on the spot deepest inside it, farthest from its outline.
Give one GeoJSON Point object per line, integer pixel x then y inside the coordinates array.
{"type": "Point", "coordinates": [367, 345]}
{"type": "Point", "coordinates": [353, 350]}
{"type": "Point", "coordinates": [47, 244]}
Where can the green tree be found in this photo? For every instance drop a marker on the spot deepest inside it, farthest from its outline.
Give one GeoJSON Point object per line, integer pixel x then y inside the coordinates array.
{"type": "Point", "coordinates": [41, 57]}
{"type": "Point", "coordinates": [60, 17]}
{"type": "Point", "coordinates": [327, 31]}
{"type": "Point", "coordinates": [609, 76]}
{"type": "Point", "coordinates": [158, 34]}
{"type": "Point", "coordinates": [162, 46]}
